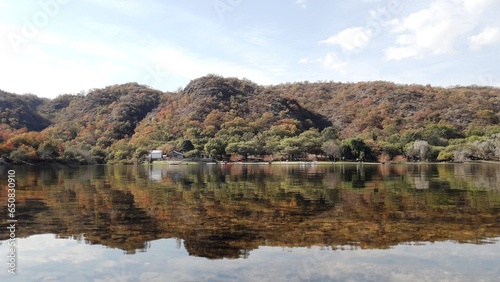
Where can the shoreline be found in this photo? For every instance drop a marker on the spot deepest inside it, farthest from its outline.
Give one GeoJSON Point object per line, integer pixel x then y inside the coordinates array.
{"type": "Point", "coordinates": [169, 162]}
{"type": "Point", "coordinates": [309, 163]}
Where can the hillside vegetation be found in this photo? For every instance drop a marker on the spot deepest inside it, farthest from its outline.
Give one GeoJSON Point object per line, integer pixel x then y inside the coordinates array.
{"type": "Point", "coordinates": [238, 119]}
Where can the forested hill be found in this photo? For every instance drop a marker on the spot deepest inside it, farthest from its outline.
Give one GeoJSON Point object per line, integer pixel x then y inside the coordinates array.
{"type": "Point", "coordinates": [21, 111]}
{"type": "Point", "coordinates": [222, 117]}
{"type": "Point", "coordinates": [387, 108]}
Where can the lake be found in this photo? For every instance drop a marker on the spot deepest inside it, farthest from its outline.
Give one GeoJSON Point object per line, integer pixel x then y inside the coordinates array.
{"type": "Point", "coordinates": [237, 222]}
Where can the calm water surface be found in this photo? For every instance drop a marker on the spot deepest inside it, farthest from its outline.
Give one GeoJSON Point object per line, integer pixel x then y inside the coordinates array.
{"type": "Point", "coordinates": [417, 222]}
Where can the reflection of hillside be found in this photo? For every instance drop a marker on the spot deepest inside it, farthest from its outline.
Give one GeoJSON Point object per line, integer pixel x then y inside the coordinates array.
{"type": "Point", "coordinates": [226, 211]}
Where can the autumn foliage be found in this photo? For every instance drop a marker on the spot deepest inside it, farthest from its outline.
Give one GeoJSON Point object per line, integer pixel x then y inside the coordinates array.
{"type": "Point", "coordinates": [237, 119]}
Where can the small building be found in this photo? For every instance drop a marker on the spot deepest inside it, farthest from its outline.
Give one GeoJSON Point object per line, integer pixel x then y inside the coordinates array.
{"type": "Point", "coordinates": [155, 155]}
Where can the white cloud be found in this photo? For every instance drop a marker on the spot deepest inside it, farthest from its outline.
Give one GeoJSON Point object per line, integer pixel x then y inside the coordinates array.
{"type": "Point", "coordinates": [352, 39]}
{"type": "Point", "coordinates": [436, 30]}
{"type": "Point", "coordinates": [329, 61]}
{"type": "Point", "coordinates": [477, 6]}
{"type": "Point", "coordinates": [488, 36]}
{"type": "Point", "coordinates": [398, 53]}
{"type": "Point", "coordinates": [50, 74]}
{"type": "Point", "coordinates": [301, 3]}
{"type": "Point", "coordinates": [332, 61]}
{"type": "Point", "coordinates": [304, 60]}
{"type": "Point", "coordinates": [102, 54]}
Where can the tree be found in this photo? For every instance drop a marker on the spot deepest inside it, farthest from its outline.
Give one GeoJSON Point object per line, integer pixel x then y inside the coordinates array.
{"type": "Point", "coordinates": [485, 149]}
{"type": "Point", "coordinates": [330, 133]}
{"type": "Point", "coordinates": [392, 150]}
{"type": "Point", "coordinates": [77, 155]}
{"type": "Point", "coordinates": [291, 147]}
{"type": "Point", "coordinates": [383, 158]}
{"type": "Point", "coordinates": [6, 149]}
{"type": "Point", "coordinates": [216, 147]}
{"type": "Point", "coordinates": [48, 151]}
{"type": "Point", "coordinates": [463, 153]}
{"type": "Point", "coordinates": [186, 146]}
{"type": "Point", "coordinates": [438, 134]}
{"type": "Point", "coordinates": [23, 154]}
{"type": "Point", "coordinates": [272, 144]}
{"type": "Point", "coordinates": [310, 141]}
{"type": "Point", "coordinates": [99, 155]}
{"type": "Point", "coordinates": [445, 156]}
{"type": "Point", "coordinates": [355, 149]}
{"type": "Point", "coordinates": [331, 149]}
{"type": "Point", "coordinates": [486, 117]}
{"type": "Point", "coordinates": [243, 148]}
{"type": "Point", "coordinates": [419, 150]}
{"type": "Point", "coordinates": [410, 136]}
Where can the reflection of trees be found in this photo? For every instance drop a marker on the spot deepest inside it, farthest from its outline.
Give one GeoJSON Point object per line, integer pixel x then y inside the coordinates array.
{"type": "Point", "coordinates": [72, 202]}
{"type": "Point", "coordinates": [226, 211]}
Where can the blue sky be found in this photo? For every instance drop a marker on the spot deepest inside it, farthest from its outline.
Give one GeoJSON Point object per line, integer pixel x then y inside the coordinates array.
{"type": "Point", "coordinates": [52, 47]}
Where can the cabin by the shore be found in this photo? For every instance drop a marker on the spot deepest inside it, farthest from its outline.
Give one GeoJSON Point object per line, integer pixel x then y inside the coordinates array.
{"type": "Point", "coordinates": [155, 155]}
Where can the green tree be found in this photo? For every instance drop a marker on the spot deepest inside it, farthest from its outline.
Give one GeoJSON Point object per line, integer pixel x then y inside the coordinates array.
{"type": "Point", "coordinates": [410, 136]}
{"type": "Point", "coordinates": [355, 148]}
{"type": "Point", "coordinates": [438, 134]}
{"type": "Point", "coordinates": [23, 154]}
{"type": "Point", "coordinates": [99, 155]}
{"type": "Point", "coordinates": [186, 146]}
{"type": "Point", "coordinates": [48, 151]}
{"type": "Point", "coordinates": [330, 133]}
{"type": "Point", "coordinates": [216, 147]}
{"type": "Point", "coordinates": [310, 141]}
{"type": "Point", "coordinates": [392, 150]}
{"type": "Point", "coordinates": [291, 147]}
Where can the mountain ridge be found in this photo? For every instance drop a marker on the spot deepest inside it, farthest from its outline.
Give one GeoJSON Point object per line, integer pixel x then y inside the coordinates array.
{"type": "Point", "coordinates": [219, 116]}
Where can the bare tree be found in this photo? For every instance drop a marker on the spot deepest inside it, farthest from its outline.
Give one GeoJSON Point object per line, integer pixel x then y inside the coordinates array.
{"type": "Point", "coordinates": [419, 150]}
{"type": "Point", "coordinates": [331, 148]}
{"type": "Point", "coordinates": [462, 154]}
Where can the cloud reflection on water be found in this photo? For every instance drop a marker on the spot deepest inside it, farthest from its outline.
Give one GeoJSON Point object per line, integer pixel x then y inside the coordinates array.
{"type": "Point", "coordinates": [47, 258]}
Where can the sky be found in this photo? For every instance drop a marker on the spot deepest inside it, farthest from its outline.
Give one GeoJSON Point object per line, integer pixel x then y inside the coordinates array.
{"type": "Point", "coordinates": [53, 47]}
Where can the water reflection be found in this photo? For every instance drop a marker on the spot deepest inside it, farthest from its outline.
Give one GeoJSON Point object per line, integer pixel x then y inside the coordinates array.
{"type": "Point", "coordinates": [230, 211]}
{"type": "Point", "coordinates": [45, 258]}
